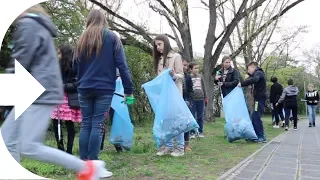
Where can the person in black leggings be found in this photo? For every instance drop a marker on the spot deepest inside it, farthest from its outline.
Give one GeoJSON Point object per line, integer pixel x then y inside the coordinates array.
{"type": "Point", "coordinates": [289, 97]}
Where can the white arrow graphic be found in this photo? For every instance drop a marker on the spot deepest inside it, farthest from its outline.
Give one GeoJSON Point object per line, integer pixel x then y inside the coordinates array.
{"type": "Point", "coordinates": [20, 89]}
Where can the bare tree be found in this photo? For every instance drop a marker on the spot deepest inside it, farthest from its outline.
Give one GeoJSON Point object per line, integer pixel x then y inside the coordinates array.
{"type": "Point", "coordinates": [312, 56]}
{"type": "Point", "coordinates": [178, 19]}
{"type": "Point", "coordinates": [245, 9]}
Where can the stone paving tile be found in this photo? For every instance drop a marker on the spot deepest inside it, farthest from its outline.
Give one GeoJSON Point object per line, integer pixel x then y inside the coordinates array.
{"type": "Point", "coordinates": [298, 155]}
{"type": "Point", "coordinates": [310, 167]}
{"type": "Point", "coordinates": [304, 161]}
{"type": "Point", "coordinates": [283, 164]}
{"type": "Point", "coordinates": [308, 178]}
{"type": "Point", "coordinates": [275, 176]}
{"type": "Point", "coordinates": [247, 174]}
{"type": "Point", "coordinates": [310, 173]}
{"type": "Point", "coordinates": [281, 170]}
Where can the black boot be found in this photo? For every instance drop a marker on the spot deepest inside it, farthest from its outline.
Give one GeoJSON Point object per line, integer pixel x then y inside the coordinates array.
{"type": "Point", "coordinates": [310, 125]}
{"type": "Point", "coordinates": [314, 124]}
{"type": "Point", "coordinates": [118, 148]}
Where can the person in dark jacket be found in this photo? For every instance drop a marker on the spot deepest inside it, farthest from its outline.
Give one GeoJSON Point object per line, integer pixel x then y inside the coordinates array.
{"type": "Point", "coordinates": [69, 111]}
{"type": "Point", "coordinates": [289, 97]}
{"type": "Point", "coordinates": [227, 77]}
{"type": "Point", "coordinates": [35, 50]}
{"type": "Point", "coordinates": [275, 93]}
{"type": "Point", "coordinates": [187, 90]}
{"type": "Point", "coordinates": [258, 80]}
{"type": "Point", "coordinates": [98, 53]}
{"type": "Point", "coordinates": [312, 98]}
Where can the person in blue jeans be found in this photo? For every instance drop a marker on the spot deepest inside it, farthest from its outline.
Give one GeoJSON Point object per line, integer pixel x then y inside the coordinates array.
{"type": "Point", "coordinates": [163, 58]}
{"type": "Point", "coordinates": [199, 97]}
{"type": "Point", "coordinates": [312, 99]}
{"type": "Point", "coordinates": [257, 78]}
{"type": "Point", "coordinates": [98, 53]}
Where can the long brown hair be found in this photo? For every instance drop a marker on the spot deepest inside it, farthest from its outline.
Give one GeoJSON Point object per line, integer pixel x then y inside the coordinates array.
{"type": "Point", "coordinates": [92, 38]}
{"type": "Point", "coordinates": [157, 55]}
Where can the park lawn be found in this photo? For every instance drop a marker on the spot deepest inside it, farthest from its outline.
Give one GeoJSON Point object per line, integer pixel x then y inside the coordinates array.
{"type": "Point", "coordinates": [210, 157]}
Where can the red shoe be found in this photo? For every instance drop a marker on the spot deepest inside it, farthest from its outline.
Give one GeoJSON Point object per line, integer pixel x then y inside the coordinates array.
{"type": "Point", "coordinates": [92, 172]}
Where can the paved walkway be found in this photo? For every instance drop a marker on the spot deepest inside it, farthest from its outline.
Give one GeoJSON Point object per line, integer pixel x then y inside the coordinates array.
{"type": "Point", "coordinates": [294, 155]}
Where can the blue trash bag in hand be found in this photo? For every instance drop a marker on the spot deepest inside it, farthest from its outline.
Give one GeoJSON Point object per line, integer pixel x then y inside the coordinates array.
{"type": "Point", "coordinates": [122, 127]}
{"type": "Point", "coordinates": [238, 123]}
{"type": "Point", "coordinates": [172, 115]}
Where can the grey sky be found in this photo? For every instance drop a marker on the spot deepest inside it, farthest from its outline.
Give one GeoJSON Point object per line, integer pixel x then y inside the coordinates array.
{"type": "Point", "coordinates": [303, 14]}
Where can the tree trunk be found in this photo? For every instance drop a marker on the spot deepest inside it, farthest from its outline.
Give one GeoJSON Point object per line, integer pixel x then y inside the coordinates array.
{"type": "Point", "coordinates": [208, 78]}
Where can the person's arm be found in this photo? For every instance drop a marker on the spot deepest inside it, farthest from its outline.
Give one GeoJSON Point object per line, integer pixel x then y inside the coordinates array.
{"type": "Point", "coordinates": [26, 43]}
{"type": "Point", "coordinates": [235, 81]}
{"type": "Point", "coordinates": [121, 64]}
{"type": "Point", "coordinates": [282, 97]}
{"type": "Point", "coordinates": [203, 87]}
{"type": "Point", "coordinates": [178, 68]}
{"type": "Point", "coordinates": [251, 80]}
{"type": "Point", "coordinates": [189, 85]}
{"type": "Point", "coordinates": [306, 97]}
{"type": "Point", "coordinates": [216, 81]}
{"type": "Point", "coordinates": [271, 93]}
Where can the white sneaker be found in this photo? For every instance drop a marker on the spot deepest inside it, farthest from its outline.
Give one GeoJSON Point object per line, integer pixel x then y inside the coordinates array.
{"type": "Point", "coordinates": [276, 126]}
{"type": "Point", "coordinates": [177, 153]}
{"type": "Point", "coordinates": [192, 136]}
{"type": "Point", "coordinates": [164, 151]}
{"type": "Point", "coordinates": [105, 173]}
{"type": "Point", "coordinates": [99, 167]}
{"type": "Point", "coordinates": [201, 135]}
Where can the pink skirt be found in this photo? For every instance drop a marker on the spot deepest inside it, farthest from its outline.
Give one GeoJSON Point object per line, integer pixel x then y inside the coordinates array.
{"type": "Point", "coordinates": [67, 113]}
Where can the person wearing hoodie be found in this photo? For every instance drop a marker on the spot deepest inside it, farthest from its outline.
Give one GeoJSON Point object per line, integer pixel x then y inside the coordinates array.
{"type": "Point", "coordinates": [275, 93]}
{"type": "Point", "coordinates": [312, 98]}
{"type": "Point", "coordinates": [35, 50]}
{"type": "Point", "coordinates": [289, 97]}
{"type": "Point", "coordinates": [258, 80]}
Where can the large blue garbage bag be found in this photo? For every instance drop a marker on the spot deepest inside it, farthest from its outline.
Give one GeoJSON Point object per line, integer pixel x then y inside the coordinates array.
{"type": "Point", "coordinates": [122, 127]}
{"type": "Point", "coordinates": [172, 115]}
{"type": "Point", "coordinates": [238, 123]}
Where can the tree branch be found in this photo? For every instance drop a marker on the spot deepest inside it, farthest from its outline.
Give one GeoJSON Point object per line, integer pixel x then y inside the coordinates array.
{"type": "Point", "coordinates": [163, 13]}
{"type": "Point", "coordinates": [141, 31]}
{"type": "Point", "coordinates": [265, 25]}
{"type": "Point", "coordinates": [228, 32]}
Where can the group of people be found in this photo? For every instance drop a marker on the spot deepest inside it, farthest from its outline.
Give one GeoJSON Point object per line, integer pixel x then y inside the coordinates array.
{"type": "Point", "coordinates": [80, 83]}
{"type": "Point", "coordinates": [286, 99]}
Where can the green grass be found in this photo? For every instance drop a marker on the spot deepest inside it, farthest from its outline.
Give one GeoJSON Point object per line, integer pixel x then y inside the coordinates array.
{"type": "Point", "coordinates": [210, 157]}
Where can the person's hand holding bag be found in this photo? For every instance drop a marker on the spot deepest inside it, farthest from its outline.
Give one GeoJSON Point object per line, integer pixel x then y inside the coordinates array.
{"type": "Point", "coordinates": [129, 99]}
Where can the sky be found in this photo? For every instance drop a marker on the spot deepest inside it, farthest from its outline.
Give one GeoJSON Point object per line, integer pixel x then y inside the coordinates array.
{"type": "Point", "coordinates": [304, 13]}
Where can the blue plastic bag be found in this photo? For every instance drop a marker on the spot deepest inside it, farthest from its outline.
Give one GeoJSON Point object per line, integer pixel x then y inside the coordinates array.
{"type": "Point", "coordinates": [122, 127]}
{"type": "Point", "coordinates": [172, 115]}
{"type": "Point", "coordinates": [238, 123]}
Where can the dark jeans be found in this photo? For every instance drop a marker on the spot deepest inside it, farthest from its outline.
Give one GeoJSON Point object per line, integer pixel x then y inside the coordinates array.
{"type": "Point", "coordinates": [93, 109]}
{"type": "Point", "coordinates": [71, 134]}
{"type": "Point", "coordinates": [294, 108]}
{"type": "Point", "coordinates": [256, 118]}
{"type": "Point", "coordinates": [117, 147]}
{"type": "Point", "coordinates": [277, 111]}
{"type": "Point", "coordinates": [198, 111]}
{"type": "Point", "coordinates": [187, 134]}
